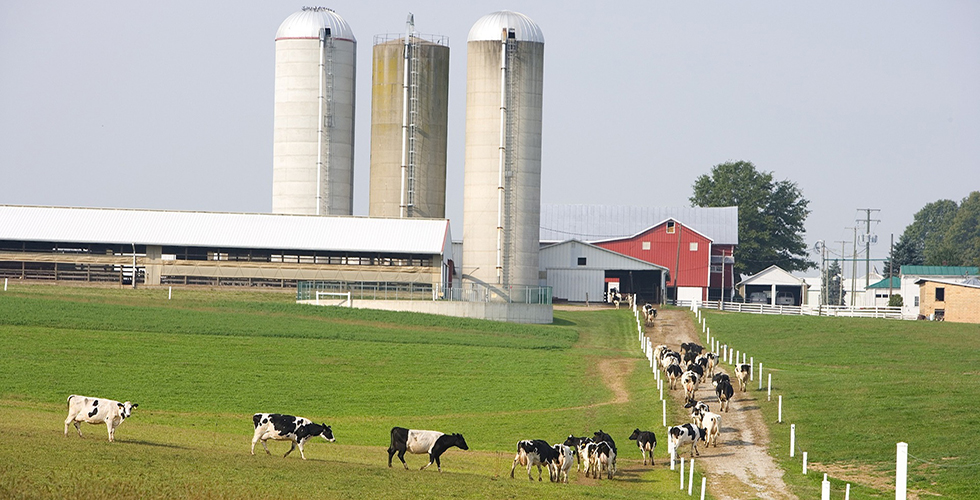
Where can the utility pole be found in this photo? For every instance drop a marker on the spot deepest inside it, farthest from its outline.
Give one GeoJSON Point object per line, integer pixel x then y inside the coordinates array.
{"type": "Point", "coordinates": [854, 264]}
{"type": "Point", "coordinates": [867, 244]}
{"type": "Point", "coordinates": [891, 266]}
{"type": "Point", "coordinates": [841, 291]}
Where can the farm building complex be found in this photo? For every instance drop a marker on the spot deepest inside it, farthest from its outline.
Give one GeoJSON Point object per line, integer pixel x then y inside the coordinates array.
{"type": "Point", "coordinates": [948, 300]}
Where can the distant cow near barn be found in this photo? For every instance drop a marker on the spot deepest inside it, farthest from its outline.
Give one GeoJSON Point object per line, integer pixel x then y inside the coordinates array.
{"type": "Point", "coordinates": [280, 427]}
{"type": "Point", "coordinates": [419, 442]}
{"type": "Point", "coordinates": [97, 411]}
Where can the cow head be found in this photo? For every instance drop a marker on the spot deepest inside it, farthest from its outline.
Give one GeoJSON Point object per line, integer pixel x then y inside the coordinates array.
{"type": "Point", "coordinates": [635, 435]}
{"type": "Point", "coordinates": [126, 409]}
{"type": "Point", "coordinates": [460, 442]}
{"type": "Point", "coordinates": [327, 433]}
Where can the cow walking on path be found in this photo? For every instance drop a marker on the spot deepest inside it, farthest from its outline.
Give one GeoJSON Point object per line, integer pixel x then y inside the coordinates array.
{"type": "Point", "coordinates": [287, 428]}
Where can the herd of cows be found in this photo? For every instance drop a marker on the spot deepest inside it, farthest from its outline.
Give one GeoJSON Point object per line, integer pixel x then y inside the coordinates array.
{"type": "Point", "coordinates": [596, 455]}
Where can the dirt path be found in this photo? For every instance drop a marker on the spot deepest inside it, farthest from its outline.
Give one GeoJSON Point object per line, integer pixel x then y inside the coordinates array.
{"type": "Point", "coordinates": [740, 467]}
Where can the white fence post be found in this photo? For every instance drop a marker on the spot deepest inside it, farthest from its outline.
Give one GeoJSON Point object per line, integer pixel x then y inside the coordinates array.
{"type": "Point", "coordinates": [690, 479]}
{"type": "Point", "coordinates": [769, 389]}
{"type": "Point", "coordinates": [170, 293]}
{"type": "Point", "coordinates": [825, 489]}
{"type": "Point", "coordinates": [704, 483]}
{"type": "Point", "coordinates": [792, 440]}
{"type": "Point", "coordinates": [673, 454]}
{"type": "Point", "coordinates": [760, 375]}
{"type": "Point", "coordinates": [682, 473]}
{"type": "Point", "coordinates": [5, 284]}
{"type": "Point", "coordinates": [751, 368]}
{"type": "Point", "coordinates": [804, 463]}
{"type": "Point", "coordinates": [847, 492]}
{"type": "Point", "coordinates": [664, 401]}
{"type": "Point", "coordinates": [901, 471]}
{"type": "Point", "coordinates": [780, 419]}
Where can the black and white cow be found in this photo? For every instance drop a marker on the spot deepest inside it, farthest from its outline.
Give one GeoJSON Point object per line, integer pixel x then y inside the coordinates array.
{"type": "Point", "coordinates": [419, 442]}
{"type": "Point", "coordinates": [576, 443]}
{"type": "Point", "coordinates": [742, 373]}
{"type": "Point", "coordinates": [603, 459]}
{"type": "Point", "coordinates": [97, 411]}
{"type": "Point", "coordinates": [536, 452]}
{"type": "Point", "coordinates": [649, 313]}
{"type": "Point", "coordinates": [724, 391]}
{"type": "Point", "coordinates": [718, 377]}
{"type": "Point", "coordinates": [683, 434]}
{"type": "Point", "coordinates": [674, 373]}
{"type": "Point", "coordinates": [690, 382]}
{"type": "Point", "coordinates": [280, 427]}
{"type": "Point", "coordinates": [564, 464]}
{"type": "Point", "coordinates": [647, 442]}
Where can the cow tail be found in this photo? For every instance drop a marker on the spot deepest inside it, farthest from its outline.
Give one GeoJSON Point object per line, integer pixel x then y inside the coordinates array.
{"type": "Point", "coordinates": [69, 400]}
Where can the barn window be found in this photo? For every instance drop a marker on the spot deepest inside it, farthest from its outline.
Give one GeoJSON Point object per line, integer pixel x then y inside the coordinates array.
{"type": "Point", "coordinates": [646, 245]}
{"type": "Point", "coordinates": [670, 227]}
{"type": "Point", "coordinates": [581, 261]}
{"type": "Point", "coordinates": [940, 294]}
{"type": "Point", "coordinates": [694, 246]}
{"type": "Point", "coordinates": [916, 301]}
{"type": "Point", "coordinates": [716, 268]}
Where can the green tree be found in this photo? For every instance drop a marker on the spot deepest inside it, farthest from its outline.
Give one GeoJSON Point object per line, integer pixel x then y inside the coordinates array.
{"type": "Point", "coordinates": [906, 252]}
{"type": "Point", "coordinates": [832, 280]}
{"type": "Point", "coordinates": [771, 215]}
{"type": "Point", "coordinates": [928, 229]}
{"type": "Point", "coordinates": [963, 234]}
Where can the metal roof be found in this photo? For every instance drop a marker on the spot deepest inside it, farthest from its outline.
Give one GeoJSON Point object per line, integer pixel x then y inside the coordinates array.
{"type": "Point", "coordinates": [224, 230]}
{"type": "Point", "coordinates": [306, 23]}
{"type": "Point", "coordinates": [939, 270]}
{"type": "Point", "coordinates": [551, 257]}
{"type": "Point", "coordinates": [489, 27]}
{"type": "Point", "coordinates": [604, 222]}
{"type": "Point", "coordinates": [893, 282]}
{"type": "Point", "coordinates": [968, 284]}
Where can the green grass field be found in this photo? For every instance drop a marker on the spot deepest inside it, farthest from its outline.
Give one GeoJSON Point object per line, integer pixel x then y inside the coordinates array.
{"type": "Point", "coordinates": [199, 366]}
{"type": "Point", "coordinates": [856, 387]}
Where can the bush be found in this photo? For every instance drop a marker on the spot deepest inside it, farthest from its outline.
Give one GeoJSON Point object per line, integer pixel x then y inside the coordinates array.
{"type": "Point", "coordinates": [895, 301]}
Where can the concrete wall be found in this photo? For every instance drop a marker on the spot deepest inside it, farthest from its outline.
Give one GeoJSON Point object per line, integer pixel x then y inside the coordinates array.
{"type": "Point", "coordinates": [295, 128]}
{"type": "Point", "coordinates": [522, 206]}
{"type": "Point", "coordinates": [495, 311]}
{"type": "Point", "coordinates": [431, 124]}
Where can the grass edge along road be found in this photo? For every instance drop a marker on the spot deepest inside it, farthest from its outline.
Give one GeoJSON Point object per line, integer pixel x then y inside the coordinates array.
{"type": "Point", "coordinates": [854, 387]}
{"type": "Point", "coordinates": [199, 368]}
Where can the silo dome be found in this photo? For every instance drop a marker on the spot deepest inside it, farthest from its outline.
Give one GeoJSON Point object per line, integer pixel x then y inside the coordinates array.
{"type": "Point", "coordinates": [308, 22]}
{"type": "Point", "coordinates": [489, 27]}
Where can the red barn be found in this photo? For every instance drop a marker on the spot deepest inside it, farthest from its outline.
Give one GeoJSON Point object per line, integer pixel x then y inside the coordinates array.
{"type": "Point", "coordinates": [695, 244]}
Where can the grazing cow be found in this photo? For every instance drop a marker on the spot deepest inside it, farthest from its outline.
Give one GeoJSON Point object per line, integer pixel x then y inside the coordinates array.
{"type": "Point", "coordinates": [647, 442]}
{"type": "Point", "coordinates": [712, 428]}
{"type": "Point", "coordinates": [674, 373]}
{"type": "Point", "coordinates": [564, 464]}
{"type": "Point", "coordinates": [742, 373]}
{"type": "Point", "coordinates": [97, 411]}
{"type": "Point", "coordinates": [536, 452]}
{"type": "Point", "coordinates": [683, 434]}
{"type": "Point", "coordinates": [279, 427]}
{"type": "Point", "coordinates": [724, 391]}
{"type": "Point", "coordinates": [575, 444]}
{"type": "Point", "coordinates": [420, 442]}
{"type": "Point", "coordinates": [689, 380]}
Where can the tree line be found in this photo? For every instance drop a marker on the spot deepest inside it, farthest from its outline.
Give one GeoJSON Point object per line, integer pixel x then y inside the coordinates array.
{"type": "Point", "coordinates": [942, 233]}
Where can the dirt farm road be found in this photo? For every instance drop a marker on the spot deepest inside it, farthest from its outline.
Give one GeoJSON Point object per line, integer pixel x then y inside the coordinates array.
{"type": "Point", "coordinates": [740, 466]}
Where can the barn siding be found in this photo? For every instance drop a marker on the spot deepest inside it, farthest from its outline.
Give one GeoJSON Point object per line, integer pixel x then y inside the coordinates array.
{"type": "Point", "coordinates": [694, 265]}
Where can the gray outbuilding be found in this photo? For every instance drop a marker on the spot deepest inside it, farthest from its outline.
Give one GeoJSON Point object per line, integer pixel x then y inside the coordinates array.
{"type": "Point", "coordinates": [579, 272]}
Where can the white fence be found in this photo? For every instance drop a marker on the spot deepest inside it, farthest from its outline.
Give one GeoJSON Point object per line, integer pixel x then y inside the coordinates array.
{"type": "Point", "coordinates": [841, 311]}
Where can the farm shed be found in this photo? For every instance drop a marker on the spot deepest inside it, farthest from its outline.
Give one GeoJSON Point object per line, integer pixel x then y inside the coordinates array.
{"type": "Point", "coordinates": [909, 275]}
{"type": "Point", "coordinates": [877, 294]}
{"type": "Point", "coordinates": [949, 300]}
{"type": "Point", "coordinates": [162, 247]}
{"type": "Point", "coordinates": [578, 272]}
{"type": "Point", "coordinates": [695, 245]}
{"type": "Point", "coordinates": [773, 286]}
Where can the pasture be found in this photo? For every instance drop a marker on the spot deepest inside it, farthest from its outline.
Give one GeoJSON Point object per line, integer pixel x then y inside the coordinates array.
{"type": "Point", "coordinates": [199, 366]}
{"type": "Point", "coordinates": [855, 387]}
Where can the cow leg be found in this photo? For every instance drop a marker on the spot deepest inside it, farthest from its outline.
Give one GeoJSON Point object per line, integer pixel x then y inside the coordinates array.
{"type": "Point", "coordinates": [78, 428]}
{"type": "Point", "coordinates": [300, 446]}
{"type": "Point", "coordinates": [266, 447]}
{"type": "Point", "coordinates": [514, 467]}
{"type": "Point", "coordinates": [111, 430]}
{"type": "Point", "coordinates": [401, 456]}
{"type": "Point", "coordinates": [292, 446]}
{"type": "Point", "coordinates": [428, 464]}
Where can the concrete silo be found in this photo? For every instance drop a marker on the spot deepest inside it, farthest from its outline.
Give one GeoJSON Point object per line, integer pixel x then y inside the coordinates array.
{"type": "Point", "coordinates": [313, 141]}
{"type": "Point", "coordinates": [502, 174]}
{"type": "Point", "coordinates": [409, 117]}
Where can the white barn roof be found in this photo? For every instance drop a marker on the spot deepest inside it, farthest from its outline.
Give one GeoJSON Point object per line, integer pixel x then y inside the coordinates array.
{"type": "Point", "coordinates": [224, 230]}
{"type": "Point", "coordinates": [605, 222]}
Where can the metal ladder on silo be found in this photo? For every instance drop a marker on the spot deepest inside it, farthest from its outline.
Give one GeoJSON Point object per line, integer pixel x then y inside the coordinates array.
{"type": "Point", "coordinates": [511, 158]}
{"type": "Point", "coordinates": [413, 120]}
